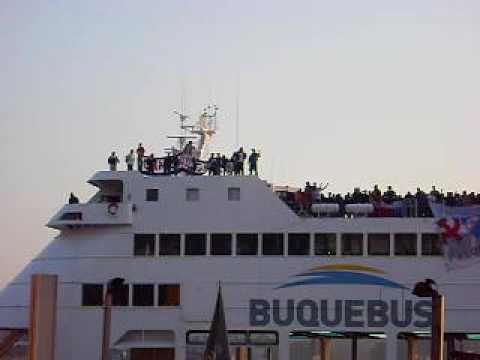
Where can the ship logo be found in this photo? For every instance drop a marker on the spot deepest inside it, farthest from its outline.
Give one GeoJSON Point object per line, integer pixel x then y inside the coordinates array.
{"type": "Point", "coordinates": [342, 274]}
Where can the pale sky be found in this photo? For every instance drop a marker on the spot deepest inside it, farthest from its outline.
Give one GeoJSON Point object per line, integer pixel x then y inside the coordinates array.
{"type": "Point", "coordinates": [350, 92]}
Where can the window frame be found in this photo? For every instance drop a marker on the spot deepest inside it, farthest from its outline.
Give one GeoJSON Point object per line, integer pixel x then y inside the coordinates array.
{"type": "Point", "coordinates": [330, 236]}
{"type": "Point", "coordinates": [292, 244]}
{"type": "Point", "coordinates": [178, 303]}
{"type": "Point", "coordinates": [189, 192]}
{"type": "Point", "coordinates": [229, 244]}
{"type": "Point", "coordinates": [136, 285]}
{"type": "Point", "coordinates": [155, 198]}
{"type": "Point", "coordinates": [396, 242]}
{"type": "Point", "coordinates": [161, 239]}
{"type": "Point", "coordinates": [432, 246]}
{"type": "Point", "coordinates": [187, 241]}
{"type": "Point", "coordinates": [281, 243]}
{"type": "Point", "coordinates": [136, 240]}
{"type": "Point", "coordinates": [343, 247]}
{"type": "Point", "coordinates": [238, 253]}
{"type": "Point", "coordinates": [370, 237]}
{"type": "Point", "coordinates": [231, 191]}
{"type": "Point", "coordinates": [96, 303]}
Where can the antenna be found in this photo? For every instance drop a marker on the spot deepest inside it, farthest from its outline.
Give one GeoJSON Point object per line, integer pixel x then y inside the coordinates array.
{"type": "Point", "coordinates": [237, 112]}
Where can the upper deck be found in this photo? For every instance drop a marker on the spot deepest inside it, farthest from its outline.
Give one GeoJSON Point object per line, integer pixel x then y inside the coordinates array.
{"type": "Point", "coordinates": [217, 203]}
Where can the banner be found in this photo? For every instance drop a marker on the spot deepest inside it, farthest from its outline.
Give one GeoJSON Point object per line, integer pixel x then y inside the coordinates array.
{"type": "Point", "coordinates": [460, 232]}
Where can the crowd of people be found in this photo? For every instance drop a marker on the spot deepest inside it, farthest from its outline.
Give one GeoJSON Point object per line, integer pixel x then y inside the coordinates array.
{"type": "Point", "coordinates": [385, 204]}
{"type": "Point", "coordinates": [235, 165]}
{"type": "Point", "coordinates": [188, 160]}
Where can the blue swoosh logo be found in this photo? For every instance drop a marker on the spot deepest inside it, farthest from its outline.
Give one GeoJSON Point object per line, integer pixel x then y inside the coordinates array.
{"type": "Point", "coordinates": [341, 277]}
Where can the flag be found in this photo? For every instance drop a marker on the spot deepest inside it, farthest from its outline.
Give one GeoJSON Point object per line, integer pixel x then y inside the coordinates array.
{"type": "Point", "coordinates": [217, 343]}
{"type": "Point", "coordinates": [459, 229]}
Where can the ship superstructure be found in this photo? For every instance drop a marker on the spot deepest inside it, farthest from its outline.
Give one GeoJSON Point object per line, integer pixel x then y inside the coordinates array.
{"type": "Point", "coordinates": [290, 281]}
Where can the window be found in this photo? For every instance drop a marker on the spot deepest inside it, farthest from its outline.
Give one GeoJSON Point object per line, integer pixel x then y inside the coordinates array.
{"type": "Point", "coordinates": [195, 244]}
{"type": "Point", "coordinates": [378, 244]}
{"type": "Point", "coordinates": [92, 295]}
{"type": "Point", "coordinates": [193, 194]}
{"type": "Point", "coordinates": [352, 244]}
{"type": "Point", "coordinates": [144, 245]}
{"type": "Point", "coordinates": [152, 195]}
{"type": "Point", "coordinates": [143, 295]}
{"type": "Point", "coordinates": [120, 297]}
{"type": "Point", "coordinates": [221, 244]}
{"type": "Point", "coordinates": [272, 244]}
{"type": "Point", "coordinates": [431, 244]}
{"type": "Point", "coordinates": [234, 194]}
{"type": "Point", "coordinates": [71, 216]}
{"type": "Point", "coordinates": [169, 295]}
{"type": "Point", "coordinates": [169, 244]}
{"type": "Point", "coordinates": [405, 244]}
{"type": "Point", "coordinates": [298, 244]}
{"type": "Point", "coordinates": [325, 244]}
{"type": "Point", "coordinates": [247, 244]}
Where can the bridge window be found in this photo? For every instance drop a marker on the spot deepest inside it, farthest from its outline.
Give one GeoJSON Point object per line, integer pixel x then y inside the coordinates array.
{"type": "Point", "coordinates": [92, 295]}
{"type": "Point", "coordinates": [195, 244]}
{"type": "Point", "coordinates": [247, 244]}
{"type": "Point", "coordinates": [71, 216]}
{"type": "Point", "coordinates": [221, 244]}
{"type": "Point", "coordinates": [169, 295]}
{"type": "Point", "coordinates": [326, 244]}
{"type": "Point", "coordinates": [169, 244]}
{"type": "Point", "coordinates": [144, 245]}
{"type": "Point", "coordinates": [193, 194]}
{"type": "Point", "coordinates": [352, 244]}
{"type": "Point", "coordinates": [143, 295]}
{"type": "Point", "coordinates": [272, 244]}
{"type": "Point", "coordinates": [152, 195]}
{"type": "Point", "coordinates": [378, 244]}
{"type": "Point", "coordinates": [298, 244]}
{"type": "Point", "coordinates": [406, 244]}
{"type": "Point", "coordinates": [234, 194]}
{"type": "Point", "coordinates": [431, 244]}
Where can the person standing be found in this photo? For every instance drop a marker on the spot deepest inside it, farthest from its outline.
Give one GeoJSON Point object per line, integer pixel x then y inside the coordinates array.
{"type": "Point", "coordinates": [151, 162]}
{"type": "Point", "coordinates": [241, 159]}
{"type": "Point", "coordinates": [73, 199]}
{"type": "Point", "coordinates": [113, 161]}
{"type": "Point", "coordinates": [130, 160]}
{"type": "Point", "coordinates": [253, 161]}
{"type": "Point", "coordinates": [140, 155]}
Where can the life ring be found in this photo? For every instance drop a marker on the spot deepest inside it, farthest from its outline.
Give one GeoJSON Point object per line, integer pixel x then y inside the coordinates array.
{"type": "Point", "coordinates": [112, 209]}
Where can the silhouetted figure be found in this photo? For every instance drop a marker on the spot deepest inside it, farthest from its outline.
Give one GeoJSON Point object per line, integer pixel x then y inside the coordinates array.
{"type": "Point", "coordinates": [241, 156]}
{"type": "Point", "coordinates": [130, 160]}
{"type": "Point", "coordinates": [167, 165]}
{"type": "Point", "coordinates": [113, 161]}
{"type": "Point", "coordinates": [140, 156]}
{"type": "Point", "coordinates": [253, 162]}
{"type": "Point", "coordinates": [150, 162]}
{"type": "Point", "coordinates": [73, 199]}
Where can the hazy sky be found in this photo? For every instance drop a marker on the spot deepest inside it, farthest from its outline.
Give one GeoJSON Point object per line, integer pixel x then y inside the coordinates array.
{"type": "Point", "coordinates": [350, 92]}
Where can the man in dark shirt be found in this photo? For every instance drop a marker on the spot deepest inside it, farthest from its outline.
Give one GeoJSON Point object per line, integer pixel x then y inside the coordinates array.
{"type": "Point", "coordinates": [140, 155]}
{"type": "Point", "coordinates": [252, 161]}
{"type": "Point", "coordinates": [151, 161]}
{"type": "Point", "coordinates": [73, 199]}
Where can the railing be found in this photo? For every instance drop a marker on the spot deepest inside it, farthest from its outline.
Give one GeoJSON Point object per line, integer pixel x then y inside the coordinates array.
{"type": "Point", "coordinates": [406, 208]}
{"type": "Point", "coordinates": [92, 214]}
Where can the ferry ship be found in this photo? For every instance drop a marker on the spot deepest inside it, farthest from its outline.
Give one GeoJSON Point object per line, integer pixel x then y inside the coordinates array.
{"type": "Point", "coordinates": [296, 284]}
